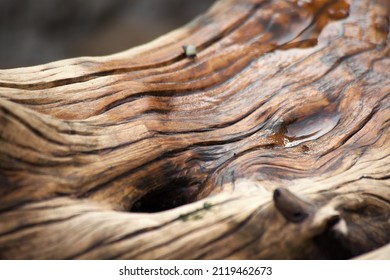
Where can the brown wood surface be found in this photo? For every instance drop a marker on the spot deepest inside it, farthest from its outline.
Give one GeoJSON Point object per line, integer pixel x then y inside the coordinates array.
{"type": "Point", "coordinates": [272, 143]}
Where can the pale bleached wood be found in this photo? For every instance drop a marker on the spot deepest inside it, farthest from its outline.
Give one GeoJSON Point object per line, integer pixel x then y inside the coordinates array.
{"type": "Point", "coordinates": [382, 253]}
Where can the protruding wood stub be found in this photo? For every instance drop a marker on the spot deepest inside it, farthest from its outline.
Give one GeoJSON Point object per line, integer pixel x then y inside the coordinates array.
{"type": "Point", "coordinates": [293, 208]}
{"type": "Point", "coordinates": [284, 97]}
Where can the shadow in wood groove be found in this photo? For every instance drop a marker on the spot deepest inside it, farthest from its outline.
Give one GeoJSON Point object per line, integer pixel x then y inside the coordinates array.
{"type": "Point", "coordinates": [130, 156]}
{"type": "Point", "coordinates": [174, 194]}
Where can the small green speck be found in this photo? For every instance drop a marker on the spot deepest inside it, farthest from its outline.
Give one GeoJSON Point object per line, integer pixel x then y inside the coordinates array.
{"type": "Point", "coordinates": [197, 217]}
{"type": "Point", "coordinates": [190, 51]}
{"type": "Point", "coordinates": [207, 206]}
{"type": "Point", "coordinates": [197, 214]}
{"type": "Point", "coordinates": [183, 218]}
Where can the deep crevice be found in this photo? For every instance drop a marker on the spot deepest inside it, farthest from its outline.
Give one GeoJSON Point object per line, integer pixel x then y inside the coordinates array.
{"type": "Point", "coordinates": [176, 193]}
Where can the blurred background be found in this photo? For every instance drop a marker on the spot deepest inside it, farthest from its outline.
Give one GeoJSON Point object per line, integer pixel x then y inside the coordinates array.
{"type": "Point", "coordinates": [38, 31]}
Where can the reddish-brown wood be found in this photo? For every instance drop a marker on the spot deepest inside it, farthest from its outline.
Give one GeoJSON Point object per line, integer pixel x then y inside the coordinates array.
{"type": "Point", "coordinates": [272, 143]}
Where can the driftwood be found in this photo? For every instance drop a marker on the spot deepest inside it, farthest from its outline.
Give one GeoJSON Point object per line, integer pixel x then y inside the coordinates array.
{"type": "Point", "coordinates": [271, 143]}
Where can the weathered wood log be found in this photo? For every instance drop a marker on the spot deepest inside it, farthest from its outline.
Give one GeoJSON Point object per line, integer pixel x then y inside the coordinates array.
{"type": "Point", "coordinates": [273, 142]}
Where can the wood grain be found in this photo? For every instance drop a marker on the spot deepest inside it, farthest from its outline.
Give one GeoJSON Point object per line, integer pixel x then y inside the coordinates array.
{"type": "Point", "coordinates": [148, 154]}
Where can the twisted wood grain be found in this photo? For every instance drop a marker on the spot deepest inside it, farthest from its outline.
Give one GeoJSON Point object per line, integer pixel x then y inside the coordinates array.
{"type": "Point", "coordinates": [148, 154]}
